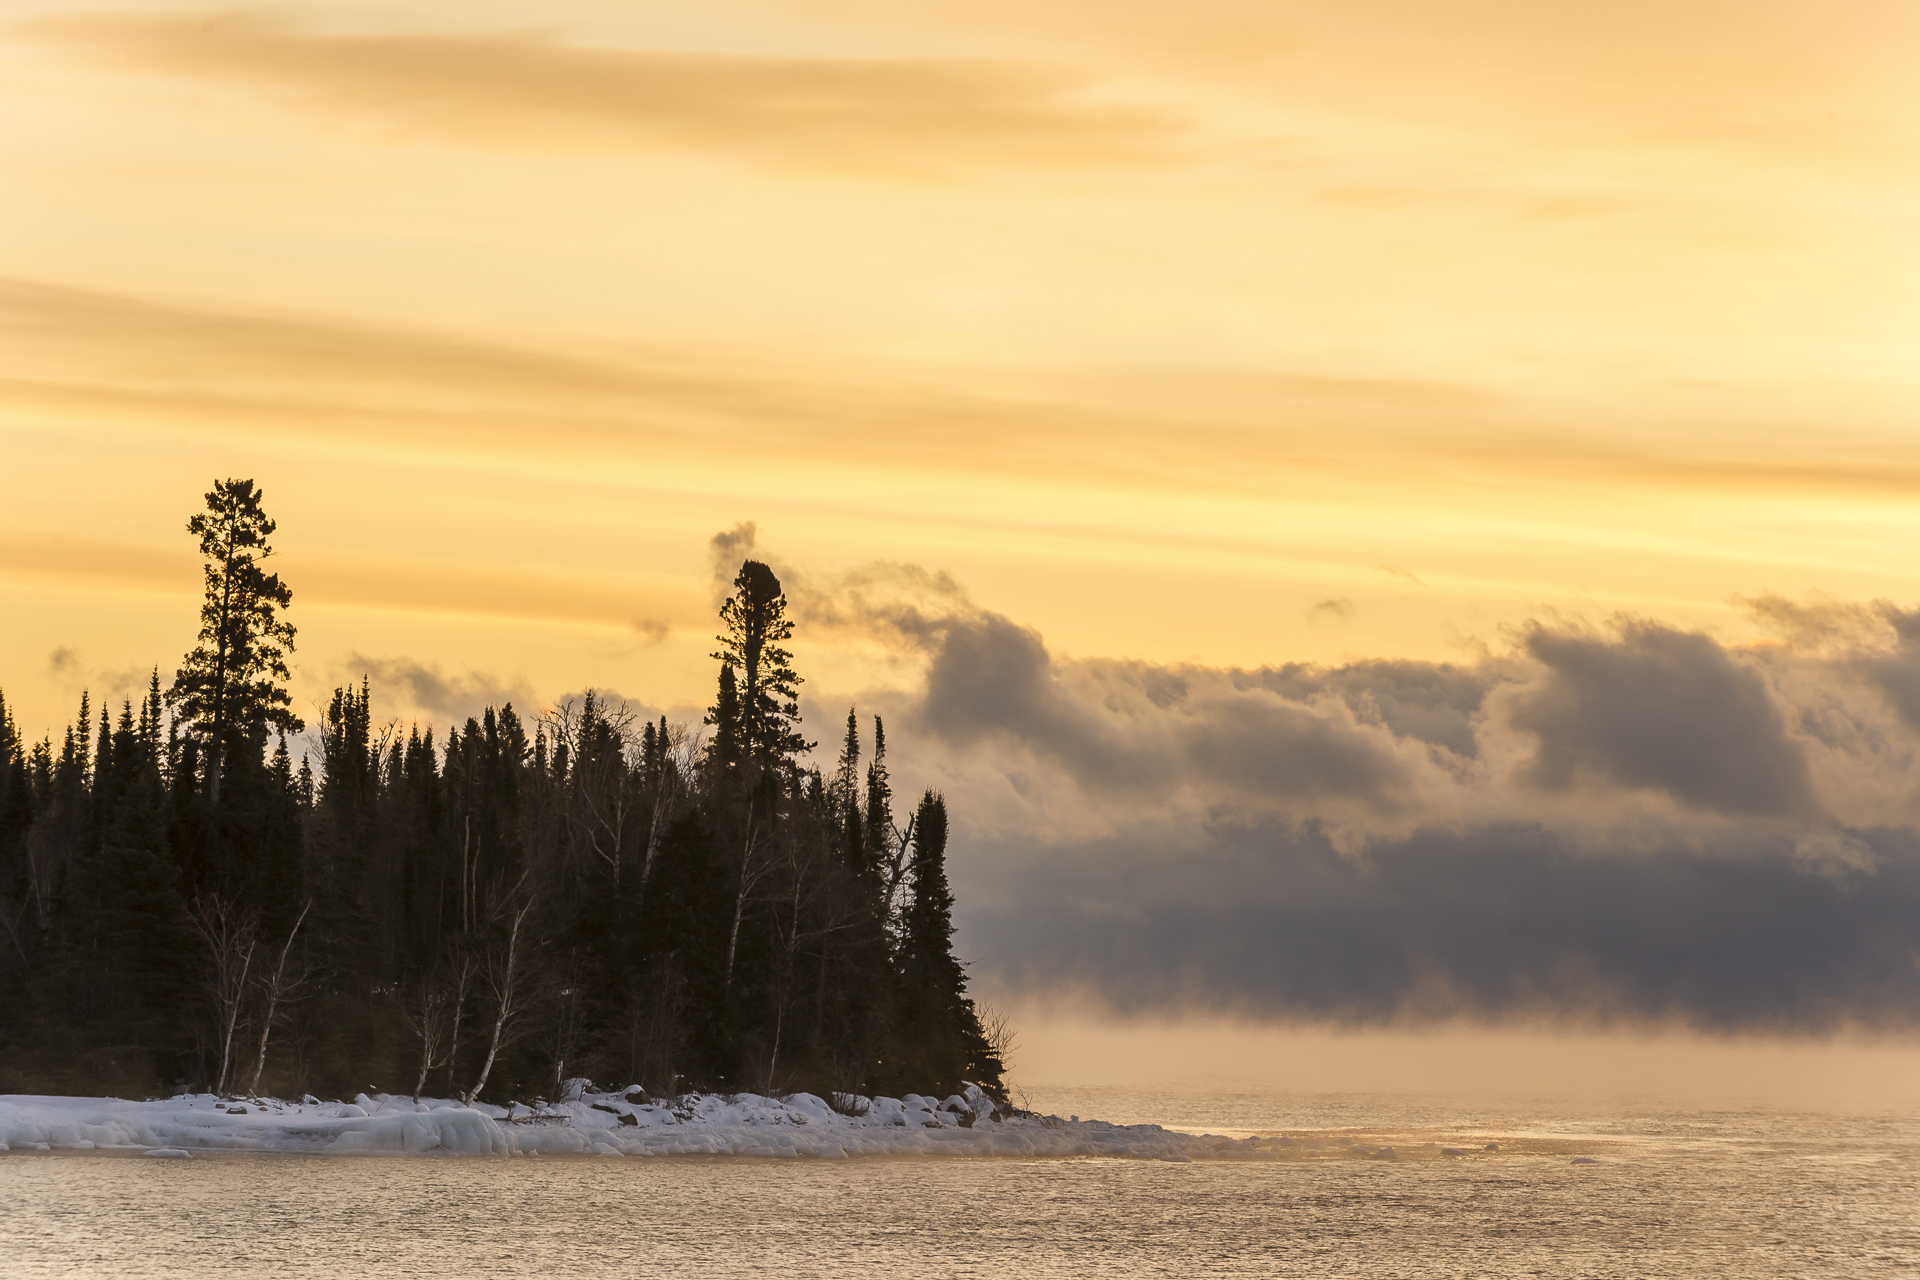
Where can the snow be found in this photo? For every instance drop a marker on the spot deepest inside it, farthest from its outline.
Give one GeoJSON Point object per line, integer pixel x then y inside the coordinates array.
{"type": "Point", "coordinates": [798, 1126]}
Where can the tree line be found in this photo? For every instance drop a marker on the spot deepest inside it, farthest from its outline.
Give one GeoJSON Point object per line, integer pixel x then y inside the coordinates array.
{"type": "Point", "coordinates": [579, 892]}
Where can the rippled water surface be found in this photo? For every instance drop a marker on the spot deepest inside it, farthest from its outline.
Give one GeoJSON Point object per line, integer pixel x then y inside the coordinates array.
{"type": "Point", "coordinates": [1672, 1193]}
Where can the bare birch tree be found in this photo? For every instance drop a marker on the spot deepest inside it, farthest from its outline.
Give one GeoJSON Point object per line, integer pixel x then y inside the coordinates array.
{"type": "Point", "coordinates": [754, 866]}
{"type": "Point", "coordinates": [431, 1010]}
{"type": "Point", "coordinates": [501, 973]}
{"type": "Point", "coordinates": [231, 935]}
{"type": "Point", "coordinates": [276, 988]}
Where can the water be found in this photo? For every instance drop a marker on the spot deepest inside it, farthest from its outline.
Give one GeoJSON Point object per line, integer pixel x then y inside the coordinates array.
{"type": "Point", "coordinates": [1691, 1193]}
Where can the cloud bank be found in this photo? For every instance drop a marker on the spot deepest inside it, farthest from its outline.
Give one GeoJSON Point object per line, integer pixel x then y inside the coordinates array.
{"type": "Point", "coordinates": [1625, 821]}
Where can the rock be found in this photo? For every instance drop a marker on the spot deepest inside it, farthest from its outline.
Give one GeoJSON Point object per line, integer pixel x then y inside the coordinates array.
{"type": "Point", "coordinates": [630, 1119]}
{"type": "Point", "coordinates": [1493, 1146]}
{"type": "Point", "coordinates": [1453, 1151]}
{"type": "Point", "coordinates": [1386, 1153]}
{"type": "Point", "coordinates": [236, 1111]}
{"type": "Point", "coordinates": [1583, 1160]}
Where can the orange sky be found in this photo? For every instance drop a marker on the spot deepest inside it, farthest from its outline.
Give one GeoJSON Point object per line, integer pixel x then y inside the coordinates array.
{"type": "Point", "coordinates": [1235, 332]}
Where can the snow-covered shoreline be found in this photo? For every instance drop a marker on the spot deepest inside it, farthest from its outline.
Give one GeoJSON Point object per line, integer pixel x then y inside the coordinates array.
{"type": "Point", "coordinates": [602, 1124]}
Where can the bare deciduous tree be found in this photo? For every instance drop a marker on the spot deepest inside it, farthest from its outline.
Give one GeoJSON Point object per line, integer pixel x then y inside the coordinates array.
{"type": "Point", "coordinates": [997, 1031]}
{"type": "Point", "coordinates": [231, 935]}
{"type": "Point", "coordinates": [600, 797]}
{"type": "Point", "coordinates": [501, 973]}
{"type": "Point", "coordinates": [754, 866]}
{"type": "Point", "coordinates": [276, 988]}
{"type": "Point", "coordinates": [431, 1010]}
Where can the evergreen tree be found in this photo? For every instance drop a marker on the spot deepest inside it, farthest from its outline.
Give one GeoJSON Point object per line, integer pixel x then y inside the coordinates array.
{"type": "Point", "coordinates": [231, 683]}
{"type": "Point", "coordinates": [724, 752]}
{"type": "Point", "coordinates": [757, 627]}
{"type": "Point", "coordinates": [879, 823]}
{"type": "Point", "coordinates": [945, 1042]}
{"type": "Point", "coordinates": [845, 797]}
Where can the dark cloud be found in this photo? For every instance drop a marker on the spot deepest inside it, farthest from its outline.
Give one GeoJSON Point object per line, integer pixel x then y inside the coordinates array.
{"type": "Point", "coordinates": [1664, 710]}
{"type": "Point", "coordinates": [1435, 702]}
{"type": "Point", "coordinates": [1637, 823]}
{"type": "Point", "coordinates": [1146, 729]}
{"type": "Point", "coordinates": [914, 115]}
{"type": "Point", "coordinates": [1334, 607]}
{"type": "Point", "coordinates": [1494, 922]}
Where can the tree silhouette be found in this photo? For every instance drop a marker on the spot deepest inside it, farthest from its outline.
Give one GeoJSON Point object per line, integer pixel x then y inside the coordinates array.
{"type": "Point", "coordinates": [231, 683]}
{"type": "Point", "coordinates": [756, 622]}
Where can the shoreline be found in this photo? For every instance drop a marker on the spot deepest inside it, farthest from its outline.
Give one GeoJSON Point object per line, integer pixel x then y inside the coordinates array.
{"type": "Point", "coordinates": [801, 1125]}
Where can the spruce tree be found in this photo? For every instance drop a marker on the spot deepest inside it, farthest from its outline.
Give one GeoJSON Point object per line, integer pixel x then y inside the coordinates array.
{"type": "Point", "coordinates": [846, 798]}
{"type": "Point", "coordinates": [879, 821]}
{"type": "Point", "coordinates": [724, 751]}
{"type": "Point", "coordinates": [945, 1042]}
{"type": "Point", "coordinates": [231, 685]}
{"type": "Point", "coordinates": [757, 626]}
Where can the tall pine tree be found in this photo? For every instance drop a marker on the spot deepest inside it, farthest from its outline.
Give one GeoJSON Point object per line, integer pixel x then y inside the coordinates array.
{"type": "Point", "coordinates": [231, 685]}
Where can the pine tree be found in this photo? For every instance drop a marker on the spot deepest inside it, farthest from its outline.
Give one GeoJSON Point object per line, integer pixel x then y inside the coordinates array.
{"type": "Point", "coordinates": [879, 800]}
{"type": "Point", "coordinates": [757, 625]}
{"type": "Point", "coordinates": [845, 797]}
{"type": "Point", "coordinates": [943, 1032]}
{"type": "Point", "coordinates": [724, 753]}
{"type": "Point", "coordinates": [232, 683]}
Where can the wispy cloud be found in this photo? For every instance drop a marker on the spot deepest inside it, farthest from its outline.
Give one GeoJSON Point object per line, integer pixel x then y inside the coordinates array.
{"type": "Point", "coordinates": [104, 356]}
{"type": "Point", "coordinates": [527, 88]}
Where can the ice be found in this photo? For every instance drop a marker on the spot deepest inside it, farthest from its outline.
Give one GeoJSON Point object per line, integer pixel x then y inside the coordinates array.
{"type": "Point", "coordinates": [459, 1131]}
{"type": "Point", "coordinates": [614, 1123]}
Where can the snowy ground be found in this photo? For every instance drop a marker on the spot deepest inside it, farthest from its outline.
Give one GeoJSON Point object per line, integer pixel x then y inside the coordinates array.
{"type": "Point", "coordinates": [608, 1124]}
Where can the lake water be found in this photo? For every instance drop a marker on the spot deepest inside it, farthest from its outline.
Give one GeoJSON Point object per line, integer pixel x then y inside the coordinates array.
{"type": "Point", "coordinates": [1743, 1193]}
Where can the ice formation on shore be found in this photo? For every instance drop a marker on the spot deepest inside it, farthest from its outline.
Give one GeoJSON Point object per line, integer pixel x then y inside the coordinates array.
{"type": "Point", "coordinates": [589, 1123]}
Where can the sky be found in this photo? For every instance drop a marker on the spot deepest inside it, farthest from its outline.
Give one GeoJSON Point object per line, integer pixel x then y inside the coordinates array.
{"type": "Point", "coordinates": [1375, 513]}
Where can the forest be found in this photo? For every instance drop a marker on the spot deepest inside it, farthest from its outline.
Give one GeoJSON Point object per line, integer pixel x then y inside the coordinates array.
{"type": "Point", "coordinates": [540, 895]}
